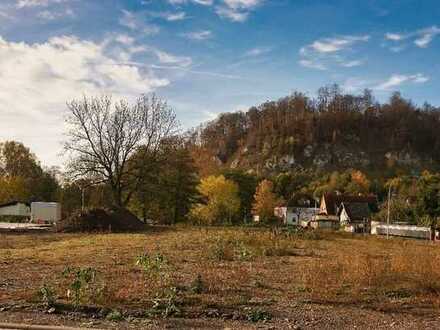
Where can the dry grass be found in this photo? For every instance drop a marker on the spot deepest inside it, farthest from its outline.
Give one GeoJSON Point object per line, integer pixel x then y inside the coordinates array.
{"type": "Point", "coordinates": [238, 268]}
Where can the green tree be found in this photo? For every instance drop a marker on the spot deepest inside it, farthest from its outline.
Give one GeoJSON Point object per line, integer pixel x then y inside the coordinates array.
{"type": "Point", "coordinates": [222, 201]}
{"type": "Point", "coordinates": [247, 183]}
{"type": "Point", "coordinates": [428, 199]}
{"type": "Point", "coordinates": [168, 185]}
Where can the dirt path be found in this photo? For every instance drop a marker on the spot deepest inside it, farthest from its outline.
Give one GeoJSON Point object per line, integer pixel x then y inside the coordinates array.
{"type": "Point", "coordinates": [301, 316]}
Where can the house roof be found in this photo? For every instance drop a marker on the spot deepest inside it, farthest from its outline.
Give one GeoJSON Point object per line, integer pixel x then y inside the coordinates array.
{"type": "Point", "coordinates": [13, 203]}
{"type": "Point", "coordinates": [356, 211]}
{"type": "Point", "coordinates": [333, 201]}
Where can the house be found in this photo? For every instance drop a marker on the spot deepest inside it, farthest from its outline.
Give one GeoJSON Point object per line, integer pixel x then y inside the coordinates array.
{"type": "Point", "coordinates": [331, 202]}
{"type": "Point", "coordinates": [354, 217]}
{"type": "Point", "coordinates": [349, 211]}
{"type": "Point", "coordinates": [295, 215]}
{"type": "Point", "coordinates": [16, 209]}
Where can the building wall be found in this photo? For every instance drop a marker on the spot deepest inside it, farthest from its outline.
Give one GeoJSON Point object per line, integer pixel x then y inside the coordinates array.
{"type": "Point", "coordinates": [47, 212]}
{"type": "Point", "coordinates": [378, 228]}
{"type": "Point", "coordinates": [344, 218]}
{"type": "Point", "coordinates": [324, 224]}
{"type": "Point", "coordinates": [16, 210]}
{"type": "Point", "coordinates": [293, 215]}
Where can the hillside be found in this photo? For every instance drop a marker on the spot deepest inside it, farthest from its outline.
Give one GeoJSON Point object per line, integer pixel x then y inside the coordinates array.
{"type": "Point", "coordinates": [331, 132]}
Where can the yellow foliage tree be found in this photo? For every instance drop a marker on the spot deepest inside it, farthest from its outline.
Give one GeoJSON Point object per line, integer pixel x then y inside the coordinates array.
{"type": "Point", "coordinates": [222, 201]}
{"type": "Point", "coordinates": [361, 180]}
{"type": "Point", "coordinates": [265, 201]}
{"type": "Point", "coordinates": [13, 188]}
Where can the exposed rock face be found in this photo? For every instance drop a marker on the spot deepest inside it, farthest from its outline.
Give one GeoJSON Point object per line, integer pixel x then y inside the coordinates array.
{"type": "Point", "coordinates": [323, 157]}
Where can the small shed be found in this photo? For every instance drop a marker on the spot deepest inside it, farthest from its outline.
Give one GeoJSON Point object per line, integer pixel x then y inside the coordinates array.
{"type": "Point", "coordinates": [15, 208]}
{"type": "Point", "coordinates": [325, 222]}
{"type": "Point", "coordinates": [42, 212]}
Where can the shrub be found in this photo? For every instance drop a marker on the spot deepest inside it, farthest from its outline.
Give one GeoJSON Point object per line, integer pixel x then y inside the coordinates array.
{"type": "Point", "coordinates": [166, 303]}
{"type": "Point", "coordinates": [83, 283]}
{"type": "Point", "coordinates": [258, 315]}
{"type": "Point", "coordinates": [197, 285]}
{"type": "Point", "coordinates": [154, 264]}
{"type": "Point", "coordinates": [47, 295]}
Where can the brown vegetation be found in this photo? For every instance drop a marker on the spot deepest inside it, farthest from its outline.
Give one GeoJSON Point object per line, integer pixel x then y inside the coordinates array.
{"type": "Point", "coordinates": [245, 274]}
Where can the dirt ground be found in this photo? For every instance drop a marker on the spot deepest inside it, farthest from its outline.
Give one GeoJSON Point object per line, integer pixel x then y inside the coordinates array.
{"type": "Point", "coordinates": [219, 278]}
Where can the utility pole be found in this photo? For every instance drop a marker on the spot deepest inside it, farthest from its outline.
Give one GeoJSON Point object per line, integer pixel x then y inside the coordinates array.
{"type": "Point", "coordinates": [388, 212]}
{"type": "Point", "coordinates": [83, 198]}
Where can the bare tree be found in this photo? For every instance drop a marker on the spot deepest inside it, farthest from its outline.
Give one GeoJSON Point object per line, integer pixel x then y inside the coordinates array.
{"type": "Point", "coordinates": [103, 135]}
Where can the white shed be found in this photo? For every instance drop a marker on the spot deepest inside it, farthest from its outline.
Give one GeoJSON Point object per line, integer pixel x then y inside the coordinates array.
{"type": "Point", "coordinates": [15, 208]}
{"type": "Point", "coordinates": [42, 212]}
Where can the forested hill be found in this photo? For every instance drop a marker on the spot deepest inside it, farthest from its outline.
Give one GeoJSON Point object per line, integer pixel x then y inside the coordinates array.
{"type": "Point", "coordinates": [332, 131]}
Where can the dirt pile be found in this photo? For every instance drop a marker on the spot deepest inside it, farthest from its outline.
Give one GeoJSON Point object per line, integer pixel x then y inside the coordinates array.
{"type": "Point", "coordinates": [97, 220]}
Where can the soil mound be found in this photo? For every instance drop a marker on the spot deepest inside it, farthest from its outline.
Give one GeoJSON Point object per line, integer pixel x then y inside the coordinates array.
{"type": "Point", "coordinates": [116, 220]}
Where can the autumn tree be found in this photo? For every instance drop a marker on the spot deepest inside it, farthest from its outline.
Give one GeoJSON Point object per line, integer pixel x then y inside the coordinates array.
{"type": "Point", "coordinates": [103, 135]}
{"type": "Point", "coordinates": [22, 177]}
{"type": "Point", "coordinates": [221, 201]}
{"type": "Point", "coordinates": [265, 201]}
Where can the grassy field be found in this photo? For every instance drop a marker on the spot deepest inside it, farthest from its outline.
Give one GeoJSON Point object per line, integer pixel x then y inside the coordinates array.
{"type": "Point", "coordinates": [219, 277]}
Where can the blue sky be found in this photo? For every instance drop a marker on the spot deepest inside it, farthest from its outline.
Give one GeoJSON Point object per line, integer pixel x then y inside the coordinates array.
{"type": "Point", "coordinates": [205, 56]}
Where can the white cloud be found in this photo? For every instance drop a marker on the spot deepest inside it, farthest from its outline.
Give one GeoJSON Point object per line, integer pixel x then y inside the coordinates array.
{"type": "Point", "coordinates": [398, 79]}
{"type": "Point", "coordinates": [312, 64]}
{"type": "Point", "coordinates": [198, 35]}
{"type": "Point", "coordinates": [36, 81]}
{"type": "Point", "coordinates": [167, 58]}
{"type": "Point", "coordinates": [257, 51]}
{"type": "Point", "coordinates": [136, 22]}
{"type": "Point", "coordinates": [352, 64]}
{"type": "Point", "coordinates": [50, 15]}
{"type": "Point", "coordinates": [237, 10]}
{"type": "Point", "coordinates": [326, 52]}
{"type": "Point", "coordinates": [37, 3]}
{"type": "Point", "coordinates": [394, 36]}
{"type": "Point", "coordinates": [333, 45]}
{"type": "Point", "coordinates": [200, 2]}
{"type": "Point", "coordinates": [421, 38]}
{"type": "Point", "coordinates": [170, 16]}
{"type": "Point", "coordinates": [385, 85]}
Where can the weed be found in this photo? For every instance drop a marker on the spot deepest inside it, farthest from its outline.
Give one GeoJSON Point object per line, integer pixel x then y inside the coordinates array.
{"type": "Point", "coordinates": [166, 303]}
{"type": "Point", "coordinates": [83, 281]}
{"type": "Point", "coordinates": [114, 316]}
{"type": "Point", "coordinates": [258, 315]}
{"type": "Point", "coordinates": [243, 253]}
{"type": "Point", "coordinates": [197, 285]}
{"type": "Point", "coordinates": [47, 295]}
{"type": "Point", "coordinates": [152, 264]}
{"type": "Point", "coordinates": [218, 251]}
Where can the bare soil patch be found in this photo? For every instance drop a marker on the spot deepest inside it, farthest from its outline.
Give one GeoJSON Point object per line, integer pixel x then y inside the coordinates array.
{"type": "Point", "coordinates": [212, 278]}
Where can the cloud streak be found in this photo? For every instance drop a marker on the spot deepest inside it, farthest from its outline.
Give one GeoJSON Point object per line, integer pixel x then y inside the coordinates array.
{"type": "Point", "coordinates": [421, 38]}
{"type": "Point", "coordinates": [326, 52]}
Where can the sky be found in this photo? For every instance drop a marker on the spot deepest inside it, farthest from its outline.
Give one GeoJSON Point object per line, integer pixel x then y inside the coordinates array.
{"type": "Point", "coordinates": [204, 57]}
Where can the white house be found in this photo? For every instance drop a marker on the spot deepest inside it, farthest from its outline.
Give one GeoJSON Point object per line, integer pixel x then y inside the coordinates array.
{"type": "Point", "coordinates": [295, 215]}
{"type": "Point", "coordinates": [15, 208]}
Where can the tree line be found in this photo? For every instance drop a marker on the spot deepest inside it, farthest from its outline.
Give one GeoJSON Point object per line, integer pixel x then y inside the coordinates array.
{"type": "Point", "coordinates": [134, 155]}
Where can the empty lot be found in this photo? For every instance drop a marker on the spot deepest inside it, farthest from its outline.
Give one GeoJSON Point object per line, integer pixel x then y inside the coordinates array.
{"type": "Point", "coordinates": [242, 278]}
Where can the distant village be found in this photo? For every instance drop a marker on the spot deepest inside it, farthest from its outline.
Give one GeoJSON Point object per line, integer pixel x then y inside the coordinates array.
{"type": "Point", "coordinates": [350, 213]}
